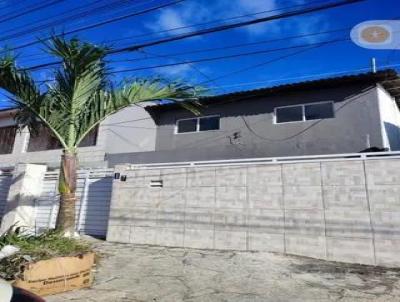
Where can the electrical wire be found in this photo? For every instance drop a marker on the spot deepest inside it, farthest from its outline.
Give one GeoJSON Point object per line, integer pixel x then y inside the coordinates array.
{"type": "Point", "coordinates": [228, 56]}
{"type": "Point", "coordinates": [237, 25]}
{"type": "Point", "coordinates": [233, 46]}
{"type": "Point", "coordinates": [68, 17]}
{"type": "Point", "coordinates": [270, 61]}
{"type": "Point", "coordinates": [191, 65]}
{"type": "Point", "coordinates": [221, 20]}
{"type": "Point", "coordinates": [102, 23]}
{"type": "Point", "coordinates": [215, 29]}
{"type": "Point", "coordinates": [192, 25]}
{"type": "Point", "coordinates": [7, 17]}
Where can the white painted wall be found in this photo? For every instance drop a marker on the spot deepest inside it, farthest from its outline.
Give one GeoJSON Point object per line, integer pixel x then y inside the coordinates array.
{"type": "Point", "coordinates": [390, 119]}
{"type": "Point", "coordinates": [25, 188]}
{"type": "Point", "coordinates": [130, 130]}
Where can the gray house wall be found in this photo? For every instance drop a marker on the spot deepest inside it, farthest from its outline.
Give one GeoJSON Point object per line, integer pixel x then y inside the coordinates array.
{"type": "Point", "coordinates": [355, 127]}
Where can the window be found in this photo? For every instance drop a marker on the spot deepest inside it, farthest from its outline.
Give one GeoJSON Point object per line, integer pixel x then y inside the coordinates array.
{"type": "Point", "coordinates": [289, 114]}
{"type": "Point", "coordinates": [45, 140]}
{"type": "Point", "coordinates": [198, 124]}
{"type": "Point", "coordinates": [187, 126]}
{"type": "Point", "coordinates": [209, 123]}
{"type": "Point", "coordinates": [318, 111]}
{"type": "Point", "coordinates": [306, 112]}
{"type": "Point", "coordinates": [7, 138]}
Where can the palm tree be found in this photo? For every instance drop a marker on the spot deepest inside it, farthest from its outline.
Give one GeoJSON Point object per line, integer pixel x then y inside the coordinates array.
{"type": "Point", "coordinates": [78, 99]}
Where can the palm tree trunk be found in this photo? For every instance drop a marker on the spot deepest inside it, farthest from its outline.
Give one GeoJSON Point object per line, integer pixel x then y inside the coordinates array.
{"type": "Point", "coordinates": [67, 187]}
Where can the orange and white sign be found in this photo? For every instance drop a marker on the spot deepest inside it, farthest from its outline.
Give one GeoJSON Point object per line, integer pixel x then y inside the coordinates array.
{"type": "Point", "coordinates": [377, 34]}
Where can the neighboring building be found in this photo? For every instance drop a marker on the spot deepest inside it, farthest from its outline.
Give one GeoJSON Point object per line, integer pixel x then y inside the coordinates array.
{"type": "Point", "coordinates": [130, 130]}
{"type": "Point", "coordinates": [347, 114]}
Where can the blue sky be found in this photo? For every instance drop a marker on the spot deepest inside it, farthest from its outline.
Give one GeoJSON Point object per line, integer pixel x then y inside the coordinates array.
{"type": "Point", "coordinates": [318, 62]}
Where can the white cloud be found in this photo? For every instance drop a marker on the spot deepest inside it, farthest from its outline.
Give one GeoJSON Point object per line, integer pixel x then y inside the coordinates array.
{"type": "Point", "coordinates": [203, 11]}
{"type": "Point", "coordinates": [183, 16]}
{"type": "Point", "coordinates": [244, 7]}
{"type": "Point", "coordinates": [178, 71]}
{"type": "Point", "coordinates": [254, 6]}
{"type": "Point", "coordinates": [170, 19]}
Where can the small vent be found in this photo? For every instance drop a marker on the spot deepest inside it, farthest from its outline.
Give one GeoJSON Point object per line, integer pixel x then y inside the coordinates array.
{"type": "Point", "coordinates": [156, 183]}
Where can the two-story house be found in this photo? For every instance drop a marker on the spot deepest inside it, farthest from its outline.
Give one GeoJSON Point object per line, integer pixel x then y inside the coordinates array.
{"type": "Point", "coordinates": [348, 114]}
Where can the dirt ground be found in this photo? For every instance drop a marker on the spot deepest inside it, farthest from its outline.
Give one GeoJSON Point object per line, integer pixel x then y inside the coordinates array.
{"type": "Point", "coordinates": [146, 273]}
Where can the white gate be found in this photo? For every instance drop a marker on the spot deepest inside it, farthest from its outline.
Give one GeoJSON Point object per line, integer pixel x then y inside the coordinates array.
{"type": "Point", "coordinates": [5, 183]}
{"type": "Point", "coordinates": [93, 201]}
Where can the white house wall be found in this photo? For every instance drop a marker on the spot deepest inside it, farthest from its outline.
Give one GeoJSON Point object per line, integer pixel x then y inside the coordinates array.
{"type": "Point", "coordinates": [390, 119]}
{"type": "Point", "coordinates": [130, 130]}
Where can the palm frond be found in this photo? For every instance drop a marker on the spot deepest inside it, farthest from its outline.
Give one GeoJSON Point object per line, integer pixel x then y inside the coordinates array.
{"type": "Point", "coordinates": [139, 91]}
{"type": "Point", "coordinates": [33, 106]}
{"type": "Point", "coordinates": [82, 76]}
{"type": "Point", "coordinates": [81, 95]}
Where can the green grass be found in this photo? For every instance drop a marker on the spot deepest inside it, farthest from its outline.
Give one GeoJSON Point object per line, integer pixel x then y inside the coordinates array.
{"type": "Point", "coordinates": [36, 247]}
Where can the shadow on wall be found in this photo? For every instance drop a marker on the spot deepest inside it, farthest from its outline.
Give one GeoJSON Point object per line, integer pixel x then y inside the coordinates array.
{"type": "Point", "coordinates": [18, 212]}
{"type": "Point", "coordinates": [19, 199]}
{"type": "Point", "coordinates": [393, 134]}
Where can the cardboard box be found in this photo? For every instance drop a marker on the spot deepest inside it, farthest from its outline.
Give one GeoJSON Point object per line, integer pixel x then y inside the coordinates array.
{"type": "Point", "coordinates": [57, 275]}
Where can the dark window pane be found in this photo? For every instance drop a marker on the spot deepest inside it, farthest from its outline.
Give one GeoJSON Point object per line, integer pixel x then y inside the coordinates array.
{"type": "Point", "coordinates": [90, 139]}
{"type": "Point", "coordinates": [289, 114]}
{"type": "Point", "coordinates": [43, 140]}
{"type": "Point", "coordinates": [187, 125]}
{"type": "Point", "coordinates": [209, 123]}
{"type": "Point", "coordinates": [7, 137]}
{"type": "Point", "coordinates": [319, 111]}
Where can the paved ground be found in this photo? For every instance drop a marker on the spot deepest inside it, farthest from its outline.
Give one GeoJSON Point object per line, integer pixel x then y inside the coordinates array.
{"type": "Point", "coordinates": [155, 274]}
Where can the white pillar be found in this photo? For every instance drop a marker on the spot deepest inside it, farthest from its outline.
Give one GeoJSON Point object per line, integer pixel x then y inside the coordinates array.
{"type": "Point", "coordinates": [26, 187]}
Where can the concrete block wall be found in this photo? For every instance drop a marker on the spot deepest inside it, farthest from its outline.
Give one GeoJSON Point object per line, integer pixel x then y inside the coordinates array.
{"type": "Point", "coordinates": [340, 210]}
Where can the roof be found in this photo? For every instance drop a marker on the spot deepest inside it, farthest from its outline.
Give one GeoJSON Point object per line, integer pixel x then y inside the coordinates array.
{"type": "Point", "coordinates": [7, 111]}
{"type": "Point", "coordinates": [388, 78]}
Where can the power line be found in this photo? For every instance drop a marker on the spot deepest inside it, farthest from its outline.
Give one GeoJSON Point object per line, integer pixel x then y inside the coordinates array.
{"type": "Point", "coordinates": [105, 22]}
{"type": "Point", "coordinates": [12, 5]}
{"type": "Point", "coordinates": [239, 45]}
{"type": "Point", "coordinates": [267, 62]}
{"type": "Point", "coordinates": [191, 65]}
{"type": "Point", "coordinates": [211, 22]}
{"type": "Point", "coordinates": [69, 17]}
{"type": "Point", "coordinates": [253, 66]}
{"type": "Point", "coordinates": [31, 10]}
{"type": "Point", "coordinates": [228, 56]}
{"type": "Point", "coordinates": [41, 56]}
{"type": "Point", "coordinates": [303, 77]}
{"type": "Point", "coordinates": [238, 55]}
{"type": "Point", "coordinates": [236, 25]}
{"type": "Point", "coordinates": [217, 29]}
{"type": "Point", "coordinates": [194, 25]}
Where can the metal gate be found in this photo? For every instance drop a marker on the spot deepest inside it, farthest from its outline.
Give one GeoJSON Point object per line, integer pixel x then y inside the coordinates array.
{"type": "Point", "coordinates": [93, 201]}
{"type": "Point", "coordinates": [5, 183]}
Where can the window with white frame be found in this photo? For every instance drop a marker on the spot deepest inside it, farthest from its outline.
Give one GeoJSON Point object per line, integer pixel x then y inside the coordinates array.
{"type": "Point", "coordinates": [304, 112]}
{"type": "Point", "coordinates": [197, 124]}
